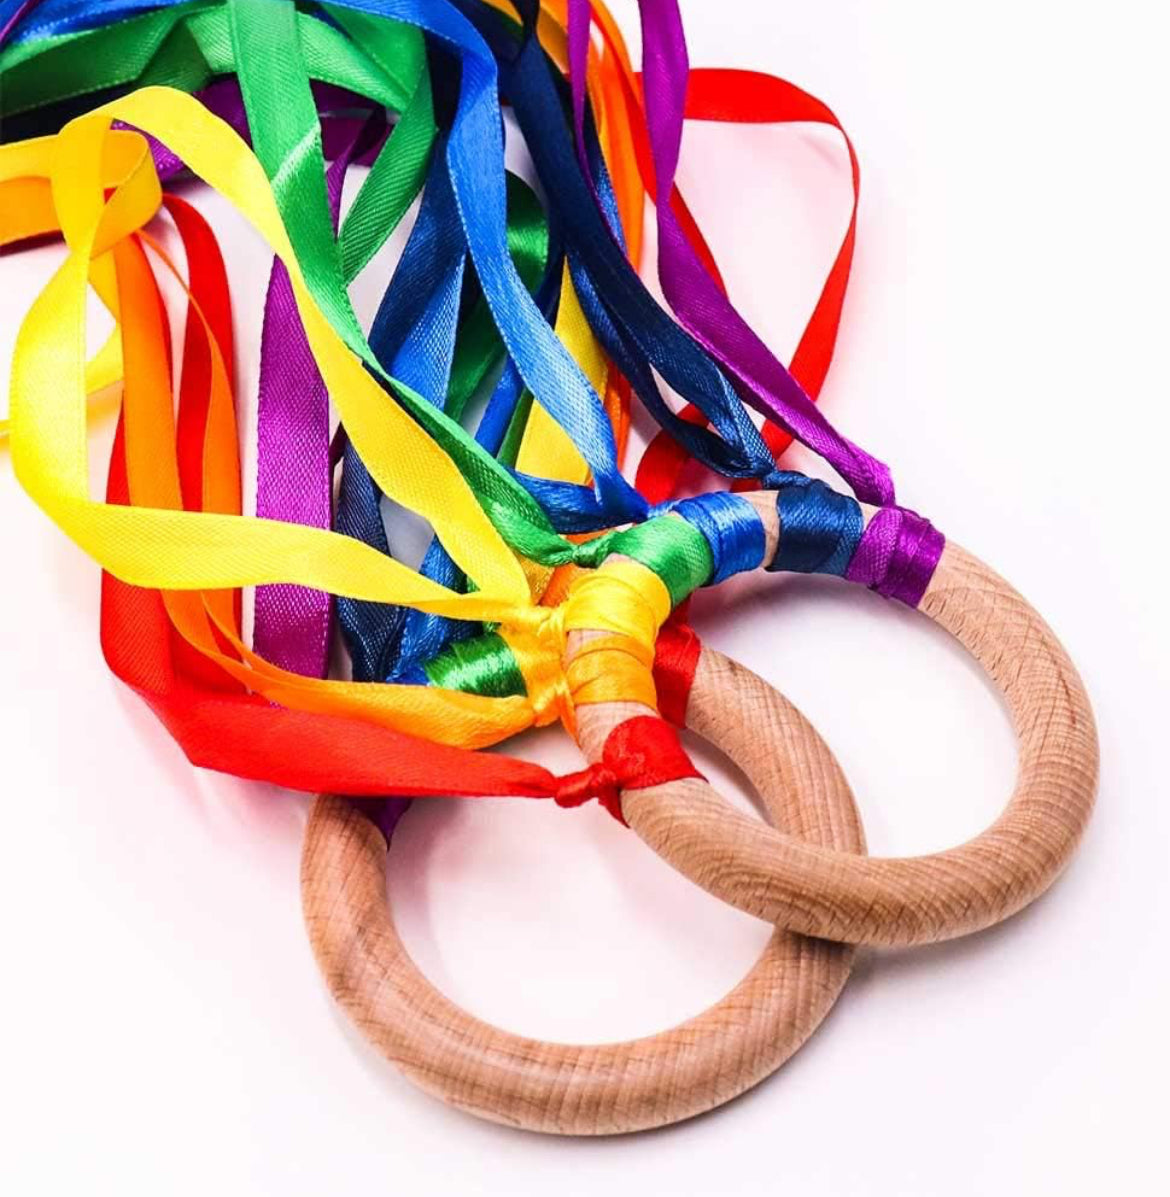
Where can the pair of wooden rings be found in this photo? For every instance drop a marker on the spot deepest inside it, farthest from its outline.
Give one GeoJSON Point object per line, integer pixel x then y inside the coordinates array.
{"type": "Point", "coordinates": [807, 874]}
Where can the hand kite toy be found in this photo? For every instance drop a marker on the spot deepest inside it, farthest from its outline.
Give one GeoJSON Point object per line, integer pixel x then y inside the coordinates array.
{"type": "Point", "coordinates": [491, 397]}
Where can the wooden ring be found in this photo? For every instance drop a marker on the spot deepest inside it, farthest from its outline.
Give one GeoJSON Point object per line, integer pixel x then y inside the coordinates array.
{"type": "Point", "coordinates": [609, 1088]}
{"type": "Point", "coordinates": [897, 901]}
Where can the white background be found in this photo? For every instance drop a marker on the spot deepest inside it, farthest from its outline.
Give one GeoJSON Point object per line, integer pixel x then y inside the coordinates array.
{"type": "Point", "coordinates": [164, 1028]}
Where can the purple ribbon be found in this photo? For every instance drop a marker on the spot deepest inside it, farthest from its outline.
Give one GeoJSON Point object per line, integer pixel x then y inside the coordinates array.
{"type": "Point", "coordinates": [293, 474]}
{"type": "Point", "coordinates": [899, 549]}
{"type": "Point", "coordinates": [697, 302]}
{"type": "Point", "coordinates": [20, 11]}
{"type": "Point", "coordinates": [897, 555]}
{"type": "Point", "coordinates": [293, 478]}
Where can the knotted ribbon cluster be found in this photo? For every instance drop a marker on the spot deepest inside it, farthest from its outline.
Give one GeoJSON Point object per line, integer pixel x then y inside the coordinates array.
{"type": "Point", "coordinates": [531, 303]}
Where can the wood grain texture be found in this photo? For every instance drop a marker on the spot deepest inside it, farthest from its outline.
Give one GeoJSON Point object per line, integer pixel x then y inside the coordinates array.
{"type": "Point", "coordinates": [822, 891]}
{"type": "Point", "coordinates": [610, 1088]}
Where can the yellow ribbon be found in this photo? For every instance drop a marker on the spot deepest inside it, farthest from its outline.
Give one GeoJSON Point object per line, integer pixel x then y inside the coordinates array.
{"type": "Point", "coordinates": [162, 547]}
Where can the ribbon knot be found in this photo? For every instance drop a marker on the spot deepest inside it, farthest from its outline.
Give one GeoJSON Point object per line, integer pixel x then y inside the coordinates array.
{"type": "Point", "coordinates": [541, 665]}
{"type": "Point", "coordinates": [537, 640]}
{"type": "Point", "coordinates": [598, 781]}
{"type": "Point", "coordinates": [545, 625]}
{"type": "Point", "coordinates": [640, 752]}
{"type": "Point", "coordinates": [623, 603]}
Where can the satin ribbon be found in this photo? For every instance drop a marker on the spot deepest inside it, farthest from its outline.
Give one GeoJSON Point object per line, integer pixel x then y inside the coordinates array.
{"type": "Point", "coordinates": [43, 413]}
{"type": "Point", "coordinates": [232, 729]}
{"type": "Point", "coordinates": [703, 308]}
{"type": "Point", "coordinates": [553, 432]}
{"type": "Point", "coordinates": [897, 534]}
{"type": "Point", "coordinates": [635, 331]}
{"type": "Point", "coordinates": [221, 726]}
{"type": "Point", "coordinates": [476, 103]}
{"type": "Point", "coordinates": [637, 334]}
{"type": "Point", "coordinates": [496, 487]}
{"type": "Point", "coordinates": [179, 550]}
{"type": "Point", "coordinates": [747, 460]}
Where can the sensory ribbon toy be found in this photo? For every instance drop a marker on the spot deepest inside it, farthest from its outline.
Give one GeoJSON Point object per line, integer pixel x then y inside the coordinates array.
{"type": "Point", "coordinates": [491, 396]}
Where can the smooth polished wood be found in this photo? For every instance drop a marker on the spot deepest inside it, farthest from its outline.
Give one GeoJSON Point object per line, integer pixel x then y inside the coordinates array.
{"type": "Point", "coordinates": [898, 901]}
{"type": "Point", "coordinates": [610, 1088]}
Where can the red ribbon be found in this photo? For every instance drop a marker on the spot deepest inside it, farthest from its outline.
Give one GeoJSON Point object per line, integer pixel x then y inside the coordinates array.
{"type": "Point", "coordinates": [219, 725]}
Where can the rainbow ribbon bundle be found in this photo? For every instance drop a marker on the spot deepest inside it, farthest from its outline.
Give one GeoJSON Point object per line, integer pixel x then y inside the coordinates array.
{"type": "Point", "coordinates": [491, 396]}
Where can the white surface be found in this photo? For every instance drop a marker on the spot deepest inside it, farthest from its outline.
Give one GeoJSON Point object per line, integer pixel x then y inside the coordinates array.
{"type": "Point", "coordinates": [164, 1029]}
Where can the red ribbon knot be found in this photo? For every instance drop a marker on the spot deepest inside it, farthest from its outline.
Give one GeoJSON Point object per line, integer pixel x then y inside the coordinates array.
{"type": "Point", "coordinates": [641, 752]}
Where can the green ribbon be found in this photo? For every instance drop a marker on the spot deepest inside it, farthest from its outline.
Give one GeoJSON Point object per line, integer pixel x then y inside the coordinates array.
{"type": "Point", "coordinates": [186, 46]}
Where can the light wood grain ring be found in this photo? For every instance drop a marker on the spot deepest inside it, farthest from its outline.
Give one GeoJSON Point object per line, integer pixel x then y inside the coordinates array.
{"type": "Point", "coordinates": [610, 1088]}
{"type": "Point", "coordinates": [898, 901]}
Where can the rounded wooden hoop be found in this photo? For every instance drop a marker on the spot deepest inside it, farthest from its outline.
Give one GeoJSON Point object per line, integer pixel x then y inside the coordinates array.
{"type": "Point", "coordinates": [898, 901]}
{"type": "Point", "coordinates": [610, 1088]}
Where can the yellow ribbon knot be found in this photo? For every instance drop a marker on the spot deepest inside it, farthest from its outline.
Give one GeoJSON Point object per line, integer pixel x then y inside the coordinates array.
{"type": "Point", "coordinates": [619, 607]}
